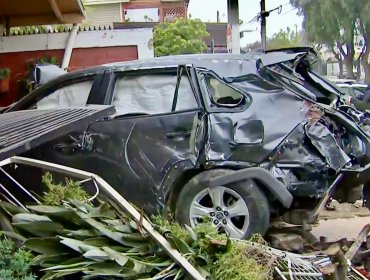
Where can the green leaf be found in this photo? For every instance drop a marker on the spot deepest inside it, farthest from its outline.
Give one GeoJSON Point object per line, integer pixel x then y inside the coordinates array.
{"type": "Point", "coordinates": [116, 236]}
{"type": "Point", "coordinates": [13, 235]}
{"type": "Point", "coordinates": [49, 259]}
{"type": "Point", "coordinates": [139, 267]}
{"type": "Point", "coordinates": [99, 241]}
{"type": "Point", "coordinates": [81, 234]}
{"type": "Point", "coordinates": [124, 228]}
{"type": "Point", "coordinates": [58, 274]}
{"type": "Point", "coordinates": [108, 268]}
{"type": "Point", "coordinates": [77, 245]}
{"type": "Point", "coordinates": [51, 275]}
{"type": "Point", "coordinates": [112, 222]}
{"type": "Point", "coordinates": [46, 209]}
{"type": "Point", "coordinates": [63, 215]}
{"type": "Point", "coordinates": [40, 228]}
{"type": "Point", "coordinates": [180, 244]}
{"type": "Point", "coordinates": [96, 255]}
{"type": "Point", "coordinates": [103, 211]}
{"type": "Point", "coordinates": [75, 267]}
{"type": "Point", "coordinates": [81, 206]}
{"type": "Point", "coordinates": [116, 256]}
{"type": "Point", "coordinates": [47, 245]}
{"type": "Point", "coordinates": [27, 217]}
{"type": "Point", "coordinates": [11, 209]}
{"type": "Point", "coordinates": [192, 233]}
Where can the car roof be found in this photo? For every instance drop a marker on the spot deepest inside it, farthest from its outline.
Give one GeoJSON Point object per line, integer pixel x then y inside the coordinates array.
{"type": "Point", "coordinates": [225, 65]}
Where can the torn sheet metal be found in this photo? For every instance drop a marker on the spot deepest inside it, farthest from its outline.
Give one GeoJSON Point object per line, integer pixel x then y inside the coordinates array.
{"type": "Point", "coordinates": [279, 57]}
{"type": "Point", "coordinates": [256, 131]}
{"type": "Point", "coordinates": [325, 142]}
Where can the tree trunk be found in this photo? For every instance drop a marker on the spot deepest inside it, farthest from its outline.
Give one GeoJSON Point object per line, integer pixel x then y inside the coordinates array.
{"type": "Point", "coordinates": [366, 65]}
{"type": "Point", "coordinates": [348, 59]}
{"type": "Point", "coordinates": [341, 68]}
{"type": "Point", "coordinates": [358, 68]}
{"type": "Point", "coordinates": [365, 55]}
{"type": "Point", "coordinates": [348, 62]}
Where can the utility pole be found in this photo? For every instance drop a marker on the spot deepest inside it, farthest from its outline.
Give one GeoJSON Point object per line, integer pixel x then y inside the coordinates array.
{"type": "Point", "coordinates": [233, 18]}
{"type": "Point", "coordinates": [264, 15]}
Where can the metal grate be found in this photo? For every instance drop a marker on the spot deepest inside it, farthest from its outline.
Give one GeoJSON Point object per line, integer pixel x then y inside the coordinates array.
{"type": "Point", "coordinates": [291, 266]}
{"type": "Point", "coordinates": [23, 130]}
{"type": "Point", "coordinates": [172, 14]}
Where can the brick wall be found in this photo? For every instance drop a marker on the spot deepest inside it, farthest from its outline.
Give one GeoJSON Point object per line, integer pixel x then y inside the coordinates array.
{"type": "Point", "coordinates": [81, 58]}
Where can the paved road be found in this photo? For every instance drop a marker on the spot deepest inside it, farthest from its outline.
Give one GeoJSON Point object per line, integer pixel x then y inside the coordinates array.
{"type": "Point", "coordinates": [336, 229]}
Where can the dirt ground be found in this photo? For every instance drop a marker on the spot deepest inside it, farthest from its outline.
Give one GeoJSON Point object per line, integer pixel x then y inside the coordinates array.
{"type": "Point", "coordinates": [346, 221]}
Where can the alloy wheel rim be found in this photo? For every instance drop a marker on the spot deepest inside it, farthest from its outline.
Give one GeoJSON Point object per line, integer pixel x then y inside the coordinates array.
{"type": "Point", "coordinates": [225, 208]}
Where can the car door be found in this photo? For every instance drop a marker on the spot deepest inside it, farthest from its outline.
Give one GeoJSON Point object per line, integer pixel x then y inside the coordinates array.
{"type": "Point", "coordinates": [77, 92]}
{"type": "Point", "coordinates": [155, 131]}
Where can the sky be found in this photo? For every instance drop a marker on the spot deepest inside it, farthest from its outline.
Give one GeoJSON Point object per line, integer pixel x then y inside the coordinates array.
{"type": "Point", "coordinates": [206, 10]}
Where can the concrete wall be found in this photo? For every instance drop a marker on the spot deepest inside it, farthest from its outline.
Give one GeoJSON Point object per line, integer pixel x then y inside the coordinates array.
{"type": "Point", "coordinates": [141, 38]}
{"type": "Point", "coordinates": [91, 48]}
{"type": "Point", "coordinates": [333, 69]}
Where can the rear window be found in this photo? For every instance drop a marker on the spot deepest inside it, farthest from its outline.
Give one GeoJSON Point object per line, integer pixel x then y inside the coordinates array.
{"type": "Point", "coordinates": [73, 95]}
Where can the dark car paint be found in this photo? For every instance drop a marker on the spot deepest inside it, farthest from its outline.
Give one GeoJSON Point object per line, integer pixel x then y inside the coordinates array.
{"type": "Point", "coordinates": [142, 156]}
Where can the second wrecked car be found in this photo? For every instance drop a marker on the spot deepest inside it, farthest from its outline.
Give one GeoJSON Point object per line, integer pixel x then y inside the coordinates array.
{"type": "Point", "coordinates": [208, 136]}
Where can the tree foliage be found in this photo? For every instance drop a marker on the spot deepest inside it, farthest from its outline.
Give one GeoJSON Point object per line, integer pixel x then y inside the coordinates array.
{"type": "Point", "coordinates": [285, 39]}
{"type": "Point", "coordinates": [180, 37]}
{"type": "Point", "coordinates": [364, 28]}
{"type": "Point", "coordinates": [14, 263]}
{"type": "Point", "coordinates": [335, 23]}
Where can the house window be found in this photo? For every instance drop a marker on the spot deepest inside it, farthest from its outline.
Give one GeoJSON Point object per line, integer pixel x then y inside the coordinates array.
{"type": "Point", "coordinates": [142, 15]}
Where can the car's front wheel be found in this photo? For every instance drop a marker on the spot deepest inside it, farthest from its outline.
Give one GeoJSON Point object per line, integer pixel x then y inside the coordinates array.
{"type": "Point", "coordinates": [240, 209]}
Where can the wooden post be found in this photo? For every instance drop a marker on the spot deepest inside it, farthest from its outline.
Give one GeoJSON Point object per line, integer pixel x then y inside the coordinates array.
{"type": "Point", "coordinates": [339, 263]}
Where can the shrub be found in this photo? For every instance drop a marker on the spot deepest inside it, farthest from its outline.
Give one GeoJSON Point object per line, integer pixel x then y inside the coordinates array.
{"type": "Point", "coordinates": [14, 263]}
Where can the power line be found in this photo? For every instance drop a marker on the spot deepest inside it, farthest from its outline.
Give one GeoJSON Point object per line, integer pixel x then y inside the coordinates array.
{"type": "Point", "coordinates": [291, 10]}
{"type": "Point", "coordinates": [257, 17]}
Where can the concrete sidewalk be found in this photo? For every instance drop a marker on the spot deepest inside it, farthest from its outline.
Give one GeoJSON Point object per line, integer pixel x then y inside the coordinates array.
{"type": "Point", "coordinates": [345, 222]}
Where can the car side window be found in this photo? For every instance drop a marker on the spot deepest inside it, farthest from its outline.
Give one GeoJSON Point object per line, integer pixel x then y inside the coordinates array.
{"type": "Point", "coordinates": [153, 94]}
{"type": "Point", "coordinates": [222, 94]}
{"type": "Point", "coordinates": [72, 95]}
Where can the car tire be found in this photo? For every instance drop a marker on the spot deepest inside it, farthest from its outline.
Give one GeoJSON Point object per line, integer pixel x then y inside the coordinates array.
{"type": "Point", "coordinates": [247, 195]}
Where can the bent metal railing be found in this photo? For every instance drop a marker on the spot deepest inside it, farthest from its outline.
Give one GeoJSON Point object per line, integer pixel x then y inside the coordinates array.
{"type": "Point", "coordinates": [110, 192]}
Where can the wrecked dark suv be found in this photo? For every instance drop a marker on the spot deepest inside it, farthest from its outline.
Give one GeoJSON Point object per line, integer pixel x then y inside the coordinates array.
{"type": "Point", "coordinates": [220, 136]}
